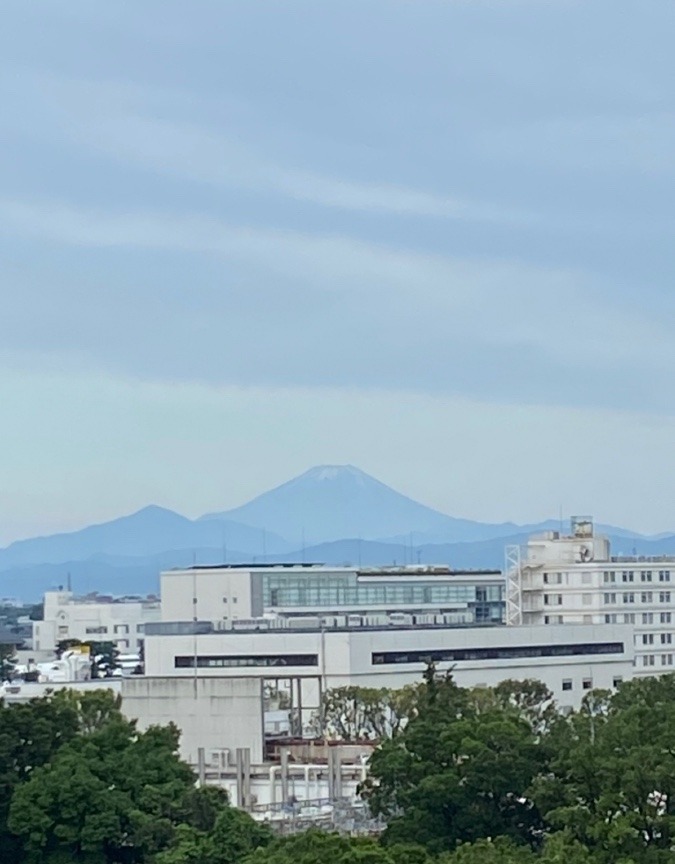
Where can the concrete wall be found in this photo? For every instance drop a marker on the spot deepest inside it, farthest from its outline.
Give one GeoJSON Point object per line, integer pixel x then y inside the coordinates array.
{"type": "Point", "coordinates": [213, 713]}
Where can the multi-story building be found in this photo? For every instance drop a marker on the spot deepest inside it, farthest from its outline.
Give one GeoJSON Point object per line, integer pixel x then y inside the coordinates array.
{"type": "Point", "coordinates": [228, 593]}
{"type": "Point", "coordinates": [120, 620]}
{"type": "Point", "coordinates": [574, 579]}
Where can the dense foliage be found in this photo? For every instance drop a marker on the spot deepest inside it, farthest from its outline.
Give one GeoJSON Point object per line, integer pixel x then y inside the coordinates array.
{"type": "Point", "coordinates": [484, 776]}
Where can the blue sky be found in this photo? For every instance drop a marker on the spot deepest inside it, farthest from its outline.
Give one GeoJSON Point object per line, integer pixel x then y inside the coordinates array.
{"type": "Point", "coordinates": [432, 239]}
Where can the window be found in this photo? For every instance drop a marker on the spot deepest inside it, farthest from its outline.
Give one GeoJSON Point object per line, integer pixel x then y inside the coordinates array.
{"type": "Point", "coordinates": [664, 575]}
{"type": "Point", "coordinates": [609, 577]}
{"type": "Point", "coordinates": [452, 655]}
{"type": "Point", "coordinates": [665, 617]}
{"type": "Point", "coordinates": [609, 598]}
{"type": "Point", "coordinates": [553, 619]}
{"type": "Point", "coordinates": [629, 618]}
{"type": "Point", "coordinates": [616, 681]}
{"type": "Point", "coordinates": [627, 576]}
{"type": "Point", "coordinates": [122, 643]}
{"type": "Point", "coordinates": [552, 578]}
{"type": "Point", "coordinates": [121, 628]}
{"type": "Point", "coordinates": [237, 660]}
{"type": "Point", "coordinates": [647, 617]}
{"type": "Point", "coordinates": [648, 660]}
{"type": "Point", "coordinates": [646, 576]}
{"type": "Point", "coordinates": [140, 628]}
{"type": "Point", "coordinates": [587, 683]}
{"type": "Point", "coordinates": [553, 599]}
{"type": "Point", "coordinates": [100, 629]}
{"type": "Point", "coordinates": [666, 659]}
{"type": "Point", "coordinates": [666, 638]}
{"type": "Point", "coordinates": [647, 597]}
{"type": "Point", "coordinates": [647, 638]}
{"type": "Point", "coordinates": [611, 618]}
{"type": "Point", "coordinates": [664, 597]}
{"type": "Point", "coordinates": [629, 597]}
{"type": "Point", "coordinates": [567, 684]}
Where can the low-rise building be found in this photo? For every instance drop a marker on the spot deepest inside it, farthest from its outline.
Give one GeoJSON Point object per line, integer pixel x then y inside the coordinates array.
{"type": "Point", "coordinates": [94, 618]}
{"type": "Point", "coordinates": [570, 660]}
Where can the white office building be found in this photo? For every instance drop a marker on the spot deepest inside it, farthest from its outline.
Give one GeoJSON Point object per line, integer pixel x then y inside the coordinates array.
{"type": "Point", "coordinates": [235, 593]}
{"type": "Point", "coordinates": [575, 579]}
{"type": "Point", "coordinates": [95, 618]}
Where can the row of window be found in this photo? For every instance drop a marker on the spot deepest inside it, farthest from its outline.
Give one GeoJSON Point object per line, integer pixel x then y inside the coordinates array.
{"type": "Point", "coordinates": [214, 661]}
{"type": "Point", "coordinates": [629, 597]}
{"type": "Point", "coordinates": [118, 629]}
{"type": "Point", "coordinates": [650, 660]}
{"type": "Point", "coordinates": [644, 618]}
{"type": "Point", "coordinates": [649, 638]}
{"type": "Point", "coordinates": [509, 652]}
{"type": "Point", "coordinates": [611, 576]}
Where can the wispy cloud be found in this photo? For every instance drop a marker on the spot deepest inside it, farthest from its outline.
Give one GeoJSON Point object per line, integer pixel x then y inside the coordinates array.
{"type": "Point", "coordinates": [427, 321]}
{"type": "Point", "coordinates": [128, 124]}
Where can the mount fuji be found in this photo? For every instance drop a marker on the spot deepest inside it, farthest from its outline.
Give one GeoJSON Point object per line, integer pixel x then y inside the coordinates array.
{"type": "Point", "coordinates": [333, 502]}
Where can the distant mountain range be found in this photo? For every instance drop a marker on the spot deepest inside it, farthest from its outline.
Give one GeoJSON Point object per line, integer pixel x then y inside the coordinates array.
{"type": "Point", "coordinates": [331, 514]}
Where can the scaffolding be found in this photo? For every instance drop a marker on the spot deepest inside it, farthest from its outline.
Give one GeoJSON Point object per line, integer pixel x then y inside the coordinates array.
{"type": "Point", "coordinates": [514, 586]}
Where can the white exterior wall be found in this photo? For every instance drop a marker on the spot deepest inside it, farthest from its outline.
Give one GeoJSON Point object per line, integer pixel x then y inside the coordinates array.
{"type": "Point", "coordinates": [345, 656]}
{"type": "Point", "coordinates": [213, 713]}
{"type": "Point", "coordinates": [558, 588]}
{"type": "Point", "coordinates": [221, 594]}
{"type": "Point", "coordinates": [66, 617]}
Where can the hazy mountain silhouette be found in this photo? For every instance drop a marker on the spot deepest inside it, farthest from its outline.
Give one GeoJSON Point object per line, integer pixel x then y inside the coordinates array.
{"type": "Point", "coordinates": [151, 530]}
{"type": "Point", "coordinates": [343, 514]}
{"type": "Point", "coordinates": [331, 502]}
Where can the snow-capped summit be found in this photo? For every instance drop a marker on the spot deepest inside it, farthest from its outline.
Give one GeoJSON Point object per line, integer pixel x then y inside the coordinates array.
{"type": "Point", "coordinates": [331, 502]}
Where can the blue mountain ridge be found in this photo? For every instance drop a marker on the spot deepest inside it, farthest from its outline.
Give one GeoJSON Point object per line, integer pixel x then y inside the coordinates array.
{"type": "Point", "coordinates": [323, 506]}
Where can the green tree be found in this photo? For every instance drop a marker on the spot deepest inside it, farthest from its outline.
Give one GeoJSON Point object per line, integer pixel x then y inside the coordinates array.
{"type": "Point", "coordinates": [7, 662]}
{"type": "Point", "coordinates": [31, 733]}
{"type": "Point", "coordinates": [365, 713]}
{"type": "Point", "coordinates": [316, 847]}
{"type": "Point", "coordinates": [233, 835]}
{"type": "Point", "coordinates": [108, 796]}
{"type": "Point", "coordinates": [612, 783]}
{"type": "Point", "coordinates": [455, 774]}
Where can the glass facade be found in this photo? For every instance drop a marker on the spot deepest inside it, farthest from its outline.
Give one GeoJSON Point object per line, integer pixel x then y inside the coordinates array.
{"type": "Point", "coordinates": [347, 592]}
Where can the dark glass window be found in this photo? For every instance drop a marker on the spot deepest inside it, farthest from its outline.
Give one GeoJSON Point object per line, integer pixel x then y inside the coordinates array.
{"type": "Point", "coordinates": [214, 661]}
{"type": "Point", "coordinates": [455, 655]}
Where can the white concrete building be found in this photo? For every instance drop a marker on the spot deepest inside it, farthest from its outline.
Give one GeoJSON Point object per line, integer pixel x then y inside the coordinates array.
{"type": "Point", "coordinates": [574, 579]}
{"type": "Point", "coordinates": [101, 619]}
{"type": "Point", "coordinates": [231, 593]}
{"type": "Point", "coordinates": [570, 660]}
